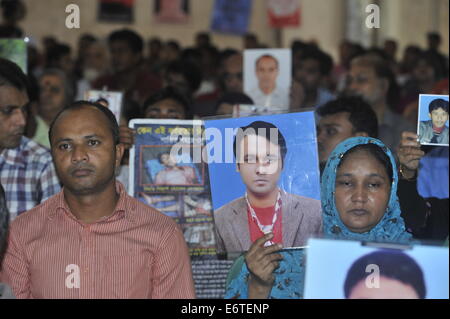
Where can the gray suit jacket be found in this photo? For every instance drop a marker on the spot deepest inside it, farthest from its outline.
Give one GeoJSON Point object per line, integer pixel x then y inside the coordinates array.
{"type": "Point", "coordinates": [426, 133]}
{"type": "Point", "coordinates": [301, 219]}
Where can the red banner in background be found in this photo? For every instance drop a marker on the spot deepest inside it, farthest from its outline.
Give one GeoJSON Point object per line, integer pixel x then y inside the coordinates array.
{"type": "Point", "coordinates": [283, 13]}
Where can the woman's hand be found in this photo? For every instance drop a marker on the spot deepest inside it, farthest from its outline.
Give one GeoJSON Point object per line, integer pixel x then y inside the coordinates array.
{"type": "Point", "coordinates": [261, 262]}
{"type": "Point", "coordinates": [409, 154]}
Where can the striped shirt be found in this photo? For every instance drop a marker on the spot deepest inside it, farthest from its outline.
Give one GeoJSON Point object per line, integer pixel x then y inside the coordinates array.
{"type": "Point", "coordinates": [136, 252]}
{"type": "Point", "coordinates": [27, 175]}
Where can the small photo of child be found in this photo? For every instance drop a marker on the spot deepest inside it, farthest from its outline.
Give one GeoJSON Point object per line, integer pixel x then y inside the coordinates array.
{"type": "Point", "coordinates": [432, 126]}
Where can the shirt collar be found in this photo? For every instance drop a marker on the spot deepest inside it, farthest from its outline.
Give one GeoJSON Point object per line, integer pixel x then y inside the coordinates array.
{"type": "Point", "coordinates": [16, 156]}
{"type": "Point", "coordinates": [125, 207]}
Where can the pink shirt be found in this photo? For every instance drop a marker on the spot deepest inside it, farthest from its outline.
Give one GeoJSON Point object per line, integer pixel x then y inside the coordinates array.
{"type": "Point", "coordinates": [137, 252]}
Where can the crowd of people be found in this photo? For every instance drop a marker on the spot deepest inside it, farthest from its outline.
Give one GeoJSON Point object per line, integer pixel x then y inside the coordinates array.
{"type": "Point", "coordinates": [367, 110]}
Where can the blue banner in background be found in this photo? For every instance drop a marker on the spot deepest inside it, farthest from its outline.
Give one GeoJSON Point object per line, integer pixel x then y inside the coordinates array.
{"type": "Point", "coordinates": [231, 16]}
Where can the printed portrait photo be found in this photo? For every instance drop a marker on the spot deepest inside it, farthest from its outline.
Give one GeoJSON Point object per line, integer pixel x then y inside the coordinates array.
{"type": "Point", "coordinates": [267, 78]}
{"type": "Point", "coordinates": [109, 99]}
{"type": "Point", "coordinates": [271, 172]}
{"type": "Point", "coordinates": [340, 269]}
{"type": "Point", "coordinates": [432, 126]}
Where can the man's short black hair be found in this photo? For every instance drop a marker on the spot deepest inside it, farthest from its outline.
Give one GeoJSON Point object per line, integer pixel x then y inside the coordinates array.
{"type": "Point", "coordinates": [155, 41]}
{"type": "Point", "coordinates": [4, 222]}
{"type": "Point", "coordinates": [434, 36]}
{"type": "Point", "coordinates": [325, 61]}
{"type": "Point", "coordinates": [264, 132]}
{"type": "Point", "coordinates": [393, 265]}
{"type": "Point", "coordinates": [438, 104]}
{"type": "Point", "coordinates": [55, 53]}
{"type": "Point", "coordinates": [112, 122]}
{"type": "Point", "coordinates": [190, 71]}
{"type": "Point", "coordinates": [12, 75]}
{"type": "Point", "coordinates": [173, 93]}
{"type": "Point", "coordinates": [174, 44]}
{"type": "Point", "coordinates": [361, 115]}
{"type": "Point", "coordinates": [234, 98]}
{"type": "Point", "coordinates": [225, 54]}
{"type": "Point", "coordinates": [134, 40]}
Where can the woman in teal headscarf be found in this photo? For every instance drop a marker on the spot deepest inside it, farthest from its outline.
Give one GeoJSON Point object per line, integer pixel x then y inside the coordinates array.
{"type": "Point", "coordinates": [356, 218]}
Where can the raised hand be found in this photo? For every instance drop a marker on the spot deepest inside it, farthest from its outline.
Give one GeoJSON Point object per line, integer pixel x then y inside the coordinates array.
{"type": "Point", "coordinates": [261, 262]}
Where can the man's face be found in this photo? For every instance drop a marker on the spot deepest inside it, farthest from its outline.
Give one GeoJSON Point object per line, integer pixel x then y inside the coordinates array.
{"type": "Point", "coordinates": [232, 73]}
{"type": "Point", "coordinates": [165, 109]}
{"type": "Point", "coordinates": [83, 151]}
{"type": "Point", "coordinates": [423, 71]}
{"type": "Point", "coordinates": [260, 164]}
{"type": "Point", "coordinates": [331, 130]}
{"type": "Point", "coordinates": [122, 57]}
{"type": "Point", "coordinates": [52, 95]}
{"type": "Point", "coordinates": [167, 160]}
{"type": "Point", "coordinates": [12, 116]}
{"type": "Point", "coordinates": [178, 81]}
{"type": "Point", "coordinates": [267, 72]}
{"type": "Point", "coordinates": [95, 57]}
{"type": "Point", "coordinates": [66, 64]}
{"type": "Point", "coordinates": [363, 81]}
{"type": "Point", "coordinates": [308, 74]}
{"type": "Point", "coordinates": [439, 117]}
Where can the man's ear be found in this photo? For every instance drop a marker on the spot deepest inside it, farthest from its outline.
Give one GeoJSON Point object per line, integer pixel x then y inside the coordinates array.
{"type": "Point", "coordinates": [361, 134]}
{"type": "Point", "coordinates": [120, 149]}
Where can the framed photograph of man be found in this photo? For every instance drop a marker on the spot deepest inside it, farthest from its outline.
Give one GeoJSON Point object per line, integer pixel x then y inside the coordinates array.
{"type": "Point", "coordinates": [109, 99]}
{"type": "Point", "coordinates": [433, 126]}
{"type": "Point", "coordinates": [342, 269]}
{"type": "Point", "coordinates": [264, 177]}
{"type": "Point", "coordinates": [267, 77]}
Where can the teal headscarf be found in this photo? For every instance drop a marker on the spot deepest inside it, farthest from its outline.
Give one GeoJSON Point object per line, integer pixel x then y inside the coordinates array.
{"type": "Point", "coordinates": [289, 277]}
{"type": "Point", "coordinates": [391, 227]}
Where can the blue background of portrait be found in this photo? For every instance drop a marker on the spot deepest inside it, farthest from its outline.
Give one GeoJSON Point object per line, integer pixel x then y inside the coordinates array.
{"type": "Point", "coordinates": [424, 104]}
{"type": "Point", "coordinates": [231, 16]}
{"type": "Point", "coordinates": [329, 260]}
{"type": "Point", "coordinates": [300, 173]}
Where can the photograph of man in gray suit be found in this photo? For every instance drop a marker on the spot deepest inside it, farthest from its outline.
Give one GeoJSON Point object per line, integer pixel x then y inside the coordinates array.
{"type": "Point", "coordinates": [435, 130]}
{"type": "Point", "coordinates": [260, 152]}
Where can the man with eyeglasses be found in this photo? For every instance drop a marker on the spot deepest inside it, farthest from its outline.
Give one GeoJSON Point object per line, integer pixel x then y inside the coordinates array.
{"type": "Point", "coordinates": [26, 168]}
{"type": "Point", "coordinates": [260, 151]}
